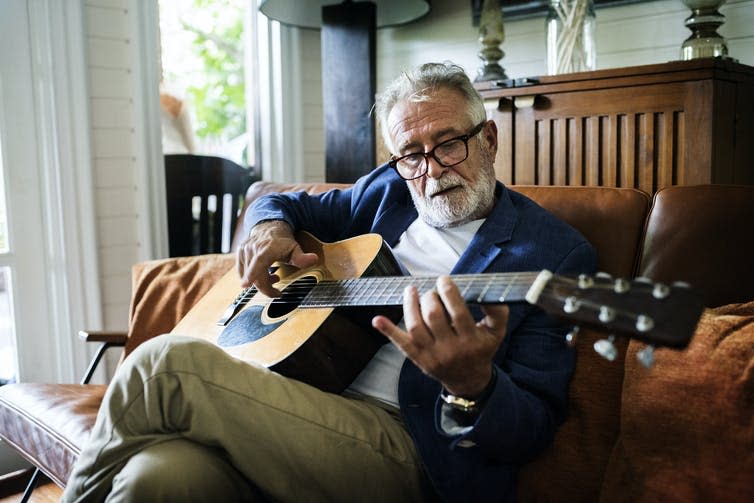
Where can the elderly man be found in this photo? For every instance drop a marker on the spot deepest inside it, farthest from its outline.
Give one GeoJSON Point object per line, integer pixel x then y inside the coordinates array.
{"type": "Point", "coordinates": [448, 409]}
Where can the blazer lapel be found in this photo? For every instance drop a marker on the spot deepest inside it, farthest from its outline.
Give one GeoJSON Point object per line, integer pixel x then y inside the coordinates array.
{"type": "Point", "coordinates": [488, 242]}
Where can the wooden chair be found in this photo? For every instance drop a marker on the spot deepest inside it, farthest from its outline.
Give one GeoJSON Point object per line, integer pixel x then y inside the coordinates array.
{"type": "Point", "coordinates": [204, 194]}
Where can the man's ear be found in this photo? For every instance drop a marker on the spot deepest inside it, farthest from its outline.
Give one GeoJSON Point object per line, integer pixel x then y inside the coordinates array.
{"type": "Point", "coordinates": [490, 135]}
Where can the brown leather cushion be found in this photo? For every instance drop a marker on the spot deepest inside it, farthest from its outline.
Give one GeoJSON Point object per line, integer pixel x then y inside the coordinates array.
{"type": "Point", "coordinates": [48, 423]}
{"type": "Point", "coordinates": [687, 426]}
{"type": "Point", "coordinates": [703, 235]}
{"type": "Point", "coordinates": [165, 290]}
{"type": "Point", "coordinates": [612, 219]}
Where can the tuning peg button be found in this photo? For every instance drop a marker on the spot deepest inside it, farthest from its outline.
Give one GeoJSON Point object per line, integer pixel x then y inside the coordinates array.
{"type": "Point", "coordinates": [571, 305]}
{"type": "Point", "coordinates": [572, 337]}
{"type": "Point", "coordinates": [660, 291]}
{"type": "Point", "coordinates": [621, 285]}
{"type": "Point", "coordinates": [646, 356]}
{"type": "Point", "coordinates": [644, 323]}
{"type": "Point", "coordinates": [606, 348]}
{"type": "Point", "coordinates": [606, 314]}
{"type": "Point", "coordinates": [585, 281]}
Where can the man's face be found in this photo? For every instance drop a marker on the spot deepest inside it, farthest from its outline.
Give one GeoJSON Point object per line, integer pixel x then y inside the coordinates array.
{"type": "Point", "coordinates": [446, 197]}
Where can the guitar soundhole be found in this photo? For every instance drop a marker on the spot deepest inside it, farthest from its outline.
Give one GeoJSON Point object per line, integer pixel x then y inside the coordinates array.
{"type": "Point", "coordinates": [292, 297]}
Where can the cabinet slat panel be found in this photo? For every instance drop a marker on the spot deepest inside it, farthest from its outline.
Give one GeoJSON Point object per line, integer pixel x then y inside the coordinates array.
{"type": "Point", "coordinates": [543, 153]}
{"type": "Point", "coordinates": [647, 127]}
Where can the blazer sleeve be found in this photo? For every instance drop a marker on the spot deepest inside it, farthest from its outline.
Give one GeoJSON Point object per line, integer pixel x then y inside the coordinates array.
{"type": "Point", "coordinates": [336, 214]}
{"type": "Point", "coordinates": [534, 367]}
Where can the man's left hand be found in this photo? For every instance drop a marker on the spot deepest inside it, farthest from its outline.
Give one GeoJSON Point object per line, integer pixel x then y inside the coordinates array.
{"type": "Point", "coordinates": [444, 341]}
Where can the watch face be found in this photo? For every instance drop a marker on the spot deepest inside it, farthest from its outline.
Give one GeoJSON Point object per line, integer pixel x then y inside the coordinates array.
{"type": "Point", "coordinates": [457, 402]}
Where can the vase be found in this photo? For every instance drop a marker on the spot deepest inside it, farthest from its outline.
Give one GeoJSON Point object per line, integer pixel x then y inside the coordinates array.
{"type": "Point", "coordinates": [570, 28]}
{"type": "Point", "coordinates": [703, 22]}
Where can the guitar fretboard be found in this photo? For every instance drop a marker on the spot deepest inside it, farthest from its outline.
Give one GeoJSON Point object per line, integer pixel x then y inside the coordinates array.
{"type": "Point", "coordinates": [494, 288]}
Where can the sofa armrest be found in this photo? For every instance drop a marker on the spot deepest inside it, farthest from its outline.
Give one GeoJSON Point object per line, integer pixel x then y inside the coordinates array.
{"type": "Point", "coordinates": [113, 338]}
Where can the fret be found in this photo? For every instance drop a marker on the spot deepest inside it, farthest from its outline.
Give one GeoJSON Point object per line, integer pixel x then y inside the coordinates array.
{"type": "Point", "coordinates": [508, 288]}
{"type": "Point", "coordinates": [380, 295]}
{"type": "Point", "coordinates": [425, 284]}
{"type": "Point", "coordinates": [487, 285]}
{"type": "Point", "coordinates": [359, 293]}
{"type": "Point", "coordinates": [345, 295]}
{"type": "Point", "coordinates": [468, 287]}
{"type": "Point", "coordinates": [397, 284]}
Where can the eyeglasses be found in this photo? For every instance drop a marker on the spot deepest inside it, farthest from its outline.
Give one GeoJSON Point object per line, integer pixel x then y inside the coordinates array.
{"type": "Point", "coordinates": [447, 154]}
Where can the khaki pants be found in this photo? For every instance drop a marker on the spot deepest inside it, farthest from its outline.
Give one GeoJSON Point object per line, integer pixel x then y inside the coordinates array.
{"type": "Point", "coordinates": [183, 421]}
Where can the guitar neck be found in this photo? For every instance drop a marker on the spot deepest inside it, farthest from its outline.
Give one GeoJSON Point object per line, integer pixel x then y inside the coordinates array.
{"type": "Point", "coordinates": [491, 288]}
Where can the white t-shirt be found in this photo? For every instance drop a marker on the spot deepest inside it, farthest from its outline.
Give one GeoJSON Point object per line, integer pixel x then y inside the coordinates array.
{"type": "Point", "coordinates": [423, 250]}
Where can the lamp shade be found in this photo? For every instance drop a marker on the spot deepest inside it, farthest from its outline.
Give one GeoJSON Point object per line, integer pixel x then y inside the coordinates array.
{"type": "Point", "coordinates": [308, 13]}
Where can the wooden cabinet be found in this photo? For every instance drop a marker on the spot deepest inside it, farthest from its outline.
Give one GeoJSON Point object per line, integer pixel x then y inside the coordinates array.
{"type": "Point", "coordinates": [678, 123]}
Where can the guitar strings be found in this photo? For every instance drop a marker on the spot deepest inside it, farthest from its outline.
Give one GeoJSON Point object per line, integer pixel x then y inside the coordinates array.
{"type": "Point", "coordinates": [391, 287]}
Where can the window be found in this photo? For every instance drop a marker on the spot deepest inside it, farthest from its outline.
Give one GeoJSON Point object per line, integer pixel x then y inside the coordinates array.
{"type": "Point", "coordinates": [205, 88]}
{"type": "Point", "coordinates": [8, 368]}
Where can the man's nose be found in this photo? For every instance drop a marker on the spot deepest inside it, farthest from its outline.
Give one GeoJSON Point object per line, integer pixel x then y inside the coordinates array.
{"type": "Point", "coordinates": [434, 168]}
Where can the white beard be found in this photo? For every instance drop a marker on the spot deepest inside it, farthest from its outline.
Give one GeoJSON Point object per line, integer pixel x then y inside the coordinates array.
{"type": "Point", "coordinates": [463, 204]}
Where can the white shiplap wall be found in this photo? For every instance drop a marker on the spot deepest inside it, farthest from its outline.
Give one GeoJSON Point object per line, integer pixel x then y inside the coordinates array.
{"type": "Point", "coordinates": [110, 60]}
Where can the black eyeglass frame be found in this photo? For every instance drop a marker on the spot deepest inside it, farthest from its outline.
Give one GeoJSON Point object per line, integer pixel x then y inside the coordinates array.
{"type": "Point", "coordinates": [393, 162]}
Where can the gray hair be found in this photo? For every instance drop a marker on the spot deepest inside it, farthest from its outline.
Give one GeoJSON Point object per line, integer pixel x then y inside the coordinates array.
{"type": "Point", "coordinates": [418, 84]}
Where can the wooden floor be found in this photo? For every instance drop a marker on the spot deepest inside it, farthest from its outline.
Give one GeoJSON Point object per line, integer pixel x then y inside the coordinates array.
{"type": "Point", "coordinates": [12, 489]}
{"type": "Point", "coordinates": [46, 493]}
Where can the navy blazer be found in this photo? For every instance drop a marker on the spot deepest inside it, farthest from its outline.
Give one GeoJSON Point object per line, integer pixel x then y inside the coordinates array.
{"type": "Point", "coordinates": [534, 365]}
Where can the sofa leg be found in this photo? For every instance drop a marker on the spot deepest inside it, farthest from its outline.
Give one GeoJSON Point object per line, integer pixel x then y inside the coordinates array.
{"type": "Point", "coordinates": [30, 486]}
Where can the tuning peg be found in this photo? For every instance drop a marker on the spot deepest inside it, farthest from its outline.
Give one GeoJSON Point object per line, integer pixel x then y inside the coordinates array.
{"type": "Point", "coordinates": [644, 323]}
{"type": "Point", "coordinates": [681, 284]}
{"type": "Point", "coordinates": [571, 305]}
{"type": "Point", "coordinates": [606, 348]}
{"type": "Point", "coordinates": [572, 337]}
{"type": "Point", "coordinates": [621, 285]}
{"type": "Point", "coordinates": [646, 356]}
{"type": "Point", "coordinates": [660, 291]}
{"type": "Point", "coordinates": [603, 275]}
{"type": "Point", "coordinates": [585, 281]}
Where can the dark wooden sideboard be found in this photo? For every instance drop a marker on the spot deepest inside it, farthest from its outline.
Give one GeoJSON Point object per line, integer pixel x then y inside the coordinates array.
{"type": "Point", "coordinates": [677, 123]}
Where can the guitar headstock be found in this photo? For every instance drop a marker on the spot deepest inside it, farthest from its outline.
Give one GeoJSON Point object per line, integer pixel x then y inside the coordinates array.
{"type": "Point", "coordinates": [655, 313]}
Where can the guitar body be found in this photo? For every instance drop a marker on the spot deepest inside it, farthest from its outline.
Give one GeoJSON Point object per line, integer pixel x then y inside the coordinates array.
{"type": "Point", "coordinates": [325, 347]}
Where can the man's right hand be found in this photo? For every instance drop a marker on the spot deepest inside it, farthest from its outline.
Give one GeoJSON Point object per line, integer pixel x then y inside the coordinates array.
{"type": "Point", "coordinates": [269, 242]}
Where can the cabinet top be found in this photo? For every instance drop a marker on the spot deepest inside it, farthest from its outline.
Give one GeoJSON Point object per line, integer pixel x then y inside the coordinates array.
{"type": "Point", "coordinates": [673, 71]}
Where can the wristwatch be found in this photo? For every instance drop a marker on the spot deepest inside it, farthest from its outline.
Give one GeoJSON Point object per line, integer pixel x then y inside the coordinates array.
{"type": "Point", "coordinates": [470, 404]}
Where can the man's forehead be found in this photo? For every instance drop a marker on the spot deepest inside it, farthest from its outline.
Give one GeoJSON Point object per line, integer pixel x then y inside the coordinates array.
{"type": "Point", "coordinates": [432, 119]}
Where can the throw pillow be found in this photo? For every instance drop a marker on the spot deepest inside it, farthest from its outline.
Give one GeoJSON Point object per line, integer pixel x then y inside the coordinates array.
{"type": "Point", "coordinates": [687, 424]}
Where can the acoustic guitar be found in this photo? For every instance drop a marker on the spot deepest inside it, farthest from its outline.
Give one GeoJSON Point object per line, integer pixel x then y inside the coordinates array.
{"type": "Point", "coordinates": [319, 331]}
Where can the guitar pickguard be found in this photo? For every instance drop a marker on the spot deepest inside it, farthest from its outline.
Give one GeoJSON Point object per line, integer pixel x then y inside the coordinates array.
{"type": "Point", "coordinates": [258, 321]}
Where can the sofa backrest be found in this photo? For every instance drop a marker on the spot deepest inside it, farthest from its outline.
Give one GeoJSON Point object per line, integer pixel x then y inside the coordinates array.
{"type": "Point", "coordinates": [704, 235]}
{"type": "Point", "coordinates": [612, 219]}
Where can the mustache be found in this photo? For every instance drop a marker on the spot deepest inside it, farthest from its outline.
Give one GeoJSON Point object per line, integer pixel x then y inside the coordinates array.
{"type": "Point", "coordinates": [436, 185]}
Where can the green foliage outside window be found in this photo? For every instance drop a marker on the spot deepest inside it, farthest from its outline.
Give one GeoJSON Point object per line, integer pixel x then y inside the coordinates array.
{"type": "Point", "coordinates": [216, 88]}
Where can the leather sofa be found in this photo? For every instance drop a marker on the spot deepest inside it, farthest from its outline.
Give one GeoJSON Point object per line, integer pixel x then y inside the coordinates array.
{"type": "Point", "coordinates": [681, 430]}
